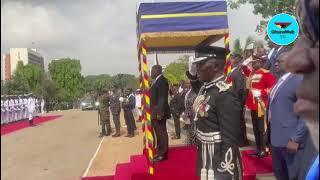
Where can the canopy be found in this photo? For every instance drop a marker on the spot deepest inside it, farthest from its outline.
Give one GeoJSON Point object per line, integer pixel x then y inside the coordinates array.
{"type": "Point", "coordinates": [166, 26]}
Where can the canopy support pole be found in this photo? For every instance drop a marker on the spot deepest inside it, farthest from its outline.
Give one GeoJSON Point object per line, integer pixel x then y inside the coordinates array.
{"type": "Point", "coordinates": [227, 69]}
{"type": "Point", "coordinates": [148, 135]}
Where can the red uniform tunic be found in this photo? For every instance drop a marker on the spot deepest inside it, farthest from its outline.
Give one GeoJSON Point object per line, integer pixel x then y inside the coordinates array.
{"type": "Point", "coordinates": [261, 80]}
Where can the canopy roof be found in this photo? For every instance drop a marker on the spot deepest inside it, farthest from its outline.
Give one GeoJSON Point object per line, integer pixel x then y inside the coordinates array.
{"type": "Point", "coordinates": [166, 26]}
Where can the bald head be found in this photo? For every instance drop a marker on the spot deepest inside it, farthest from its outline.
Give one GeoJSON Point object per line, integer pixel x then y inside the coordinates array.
{"type": "Point", "coordinates": [156, 70]}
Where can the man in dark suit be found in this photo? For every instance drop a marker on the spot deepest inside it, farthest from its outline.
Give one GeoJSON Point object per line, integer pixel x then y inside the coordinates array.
{"type": "Point", "coordinates": [128, 106]}
{"type": "Point", "coordinates": [273, 55]}
{"type": "Point", "coordinates": [160, 111]}
{"type": "Point", "coordinates": [288, 130]}
{"type": "Point", "coordinates": [238, 81]}
{"type": "Point", "coordinates": [304, 59]}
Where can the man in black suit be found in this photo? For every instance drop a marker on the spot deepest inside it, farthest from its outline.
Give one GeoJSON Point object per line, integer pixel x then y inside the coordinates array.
{"type": "Point", "coordinates": [128, 106]}
{"type": "Point", "coordinates": [160, 111]}
{"type": "Point", "coordinates": [238, 80]}
{"type": "Point", "coordinates": [273, 56]}
{"type": "Point", "coordinates": [304, 59]}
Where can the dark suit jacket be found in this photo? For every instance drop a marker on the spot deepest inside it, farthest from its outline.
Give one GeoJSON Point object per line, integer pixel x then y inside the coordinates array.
{"type": "Point", "coordinates": [285, 124]}
{"type": "Point", "coordinates": [273, 58]}
{"type": "Point", "coordinates": [129, 104]}
{"type": "Point", "coordinates": [159, 99]}
{"type": "Point", "coordinates": [239, 85]}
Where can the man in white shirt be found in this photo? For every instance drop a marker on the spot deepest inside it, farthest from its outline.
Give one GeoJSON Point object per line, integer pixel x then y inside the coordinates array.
{"type": "Point", "coordinates": [138, 104]}
{"type": "Point", "coordinates": [31, 109]}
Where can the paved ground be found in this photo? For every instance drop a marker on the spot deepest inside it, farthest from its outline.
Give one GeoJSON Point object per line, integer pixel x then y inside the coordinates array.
{"type": "Point", "coordinates": [59, 149]}
{"type": "Point", "coordinates": [119, 150]}
{"type": "Point", "coordinates": [62, 149]}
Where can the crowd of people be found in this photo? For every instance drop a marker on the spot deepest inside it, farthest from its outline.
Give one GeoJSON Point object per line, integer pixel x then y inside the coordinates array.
{"type": "Point", "coordinates": [129, 102]}
{"type": "Point", "coordinates": [279, 88]}
{"type": "Point", "coordinates": [20, 107]}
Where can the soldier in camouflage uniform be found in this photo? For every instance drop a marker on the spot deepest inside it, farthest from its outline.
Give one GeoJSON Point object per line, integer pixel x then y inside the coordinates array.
{"type": "Point", "coordinates": [115, 110]}
{"type": "Point", "coordinates": [104, 114]}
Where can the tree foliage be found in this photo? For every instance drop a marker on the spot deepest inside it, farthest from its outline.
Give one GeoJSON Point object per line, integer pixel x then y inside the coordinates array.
{"type": "Point", "coordinates": [266, 8]}
{"type": "Point", "coordinates": [123, 81]}
{"type": "Point", "coordinates": [176, 71]}
{"type": "Point", "coordinates": [26, 78]}
{"type": "Point", "coordinates": [66, 75]}
{"type": "Point", "coordinates": [97, 82]}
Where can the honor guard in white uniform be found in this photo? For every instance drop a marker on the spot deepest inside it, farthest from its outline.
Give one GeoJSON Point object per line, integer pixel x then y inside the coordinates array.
{"type": "Point", "coordinates": [2, 110]}
{"type": "Point", "coordinates": [42, 106]}
{"type": "Point", "coordinates": [25, 103]}
{"type": "Point", "coordinates": [31, 109]}
{"type": "Point", "coordinates": [7, 110]}
{"type": "Point", "coordinates": [11, 110]}
{"type": "Point", "coordinates": [21, 108]}
{"type": "Point", "coordinates": [17, 108]}
{"type": "Point", "coordinates": [37, 106]}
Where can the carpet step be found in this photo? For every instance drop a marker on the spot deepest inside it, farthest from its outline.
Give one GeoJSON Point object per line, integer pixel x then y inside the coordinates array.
{"type": "Point", "coordinates": [98, 178]}
{"type": "Point", "coordinates": [138, 164]}
{"type": "Point", "coordinates": [123, 172]}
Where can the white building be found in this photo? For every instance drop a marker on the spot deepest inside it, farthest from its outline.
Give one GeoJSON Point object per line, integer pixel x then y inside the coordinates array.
{"type": "Point", "coordinates": [27, 56]}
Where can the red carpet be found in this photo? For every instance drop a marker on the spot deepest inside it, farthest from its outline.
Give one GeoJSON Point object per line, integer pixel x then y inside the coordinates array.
{"type": "Point", "coordinates": [9, 128]}
{"type": "Point", "coordinates": [260, 166]}
{"type": "Point", "coordinates": [181, 164]}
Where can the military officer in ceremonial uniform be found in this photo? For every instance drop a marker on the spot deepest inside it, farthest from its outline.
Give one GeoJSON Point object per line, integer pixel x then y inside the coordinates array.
{"type": "Point", "coordinates": [259, 82]}
{"type": "Point", "coordinates": [217, 120]}
{"type": "Point", "coordinates": [115, 108]}
{"type": "Point", "coordinates": [104, 114]}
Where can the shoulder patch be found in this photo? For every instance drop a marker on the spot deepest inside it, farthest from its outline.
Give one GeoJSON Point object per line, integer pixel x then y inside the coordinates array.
{"type": "Point", "coordinates": [222, 86]}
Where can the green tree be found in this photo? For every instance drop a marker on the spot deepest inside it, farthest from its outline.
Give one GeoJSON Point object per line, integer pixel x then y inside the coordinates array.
{"type": "Point", "coordinates": [94, 83]}
{"type": "Point", "coordinates": [123, 81]}
{"type": "Point", "coordinates": [66, 75]}
{"type": "Point", "coordinates": [25, 79]}
{"type": "Point", "coordinates": [176, 71]}
{"type": "Point", "coordinates": [266, 8]}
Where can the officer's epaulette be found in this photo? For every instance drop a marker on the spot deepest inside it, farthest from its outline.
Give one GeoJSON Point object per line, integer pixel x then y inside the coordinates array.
{"type": "Point", "coordinates": [221, 85]}
{"type": "Point", "coordinates": [264, 70]}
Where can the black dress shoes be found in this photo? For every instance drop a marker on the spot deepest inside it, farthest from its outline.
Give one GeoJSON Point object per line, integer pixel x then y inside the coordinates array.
{"type": "Point", "coordinates": [129, 135]}
{"type": "Point", "coordinates": [159, 158]}
{"type": "Point", "coordinates": [255, 153]}
{"type": "Point", "coordinates": [175, 137]}
{"type": "Point", "coordinates": [262, 154]}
